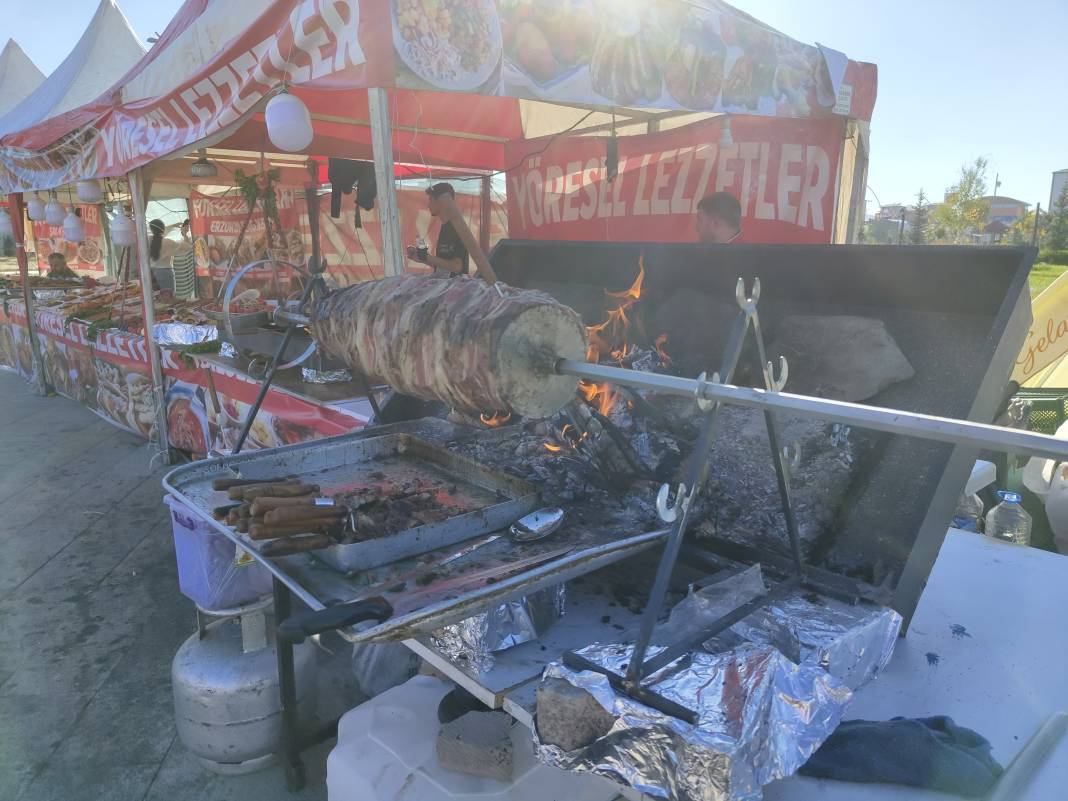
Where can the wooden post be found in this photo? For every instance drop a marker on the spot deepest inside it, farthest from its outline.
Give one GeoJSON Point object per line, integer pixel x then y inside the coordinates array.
{"type": "Point", "coordinates": [485, 217]}
{"type": "Point", "coordinates": [393, 260]}
{"type": "Point", "coordinates": [140, 203]}
{"type": "Point", "coordinates": [18, 224]}
{"type": "Point", "coordinates": [450, 212]}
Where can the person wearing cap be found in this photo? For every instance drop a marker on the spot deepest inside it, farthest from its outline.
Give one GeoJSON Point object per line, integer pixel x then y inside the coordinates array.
{"type": "Point", "coordinates": [450, 257]}
{"type": "Point", "coordinates": [719, 219]}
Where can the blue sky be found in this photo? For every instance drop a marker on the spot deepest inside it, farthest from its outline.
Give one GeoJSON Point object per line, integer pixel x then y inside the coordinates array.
{"type": "Point", "coordinates": [957, 78]}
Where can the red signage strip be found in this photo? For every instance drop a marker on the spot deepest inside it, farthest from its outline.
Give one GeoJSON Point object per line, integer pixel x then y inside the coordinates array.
{"type": "Point", "coordinates": [782, 172]}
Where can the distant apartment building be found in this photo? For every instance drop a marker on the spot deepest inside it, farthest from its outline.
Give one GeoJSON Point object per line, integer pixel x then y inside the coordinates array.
{"type": "Point", "coordinates": [1005, 210]}
{"type": "Point", "coordinates": [1060, 180]}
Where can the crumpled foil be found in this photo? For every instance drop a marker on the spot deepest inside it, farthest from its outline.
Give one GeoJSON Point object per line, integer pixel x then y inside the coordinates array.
{"type": "Point", "coordinates": [852, 643]}
{"type": "Point", "coordinates": [474, 641]}
{"type": "Point", "coordinates": [312, 376]}
{"type": "Point", "coordinates": [760, 718]}
{"type": "Point", "coordinates": [227, 350]}
{"type": "Point", "coordinates": [183, 333]}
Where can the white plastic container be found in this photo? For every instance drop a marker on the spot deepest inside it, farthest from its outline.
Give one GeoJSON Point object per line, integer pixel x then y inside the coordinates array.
{"type": "Point", "coordinates": [1057, 508]}
{"type": "Point", "coordinates": [1008, 521]}
{"type": "Point", "coordinates": [211, 572]}
{"type": "Point", "coordinates": [386, 752]}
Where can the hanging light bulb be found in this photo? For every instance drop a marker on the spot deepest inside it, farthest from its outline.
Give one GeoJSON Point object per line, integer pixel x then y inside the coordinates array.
{"type": "Point", "coordinates": [35, 208]}
{"type": "Point", "coordinates": [89, 191]}
{"type": "Point", "coordinates": [202, 168]}
{"type": "Point", "coordinates": [725, 137]}
{"type": "Point", "coordinates": [6, 228]}
{"type": "Point", "coordinates": [123, 233]}
{"type": "Point", "coordinates": [53, 210]}
{"type": "Point", "coordinates": [289, 124]}
{"type": "Point", "coordinates": [73, 230]}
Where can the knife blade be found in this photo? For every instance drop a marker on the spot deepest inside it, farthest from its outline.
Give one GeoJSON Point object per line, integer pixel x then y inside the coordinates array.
{"type": "Point", "coordinates": [378, 607]}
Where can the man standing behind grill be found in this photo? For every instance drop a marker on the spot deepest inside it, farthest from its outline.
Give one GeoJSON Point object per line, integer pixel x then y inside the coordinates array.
{"type": "Point", "coordinates": [450, 257]}
{"type": "Point", "coordinates": [719, 219]}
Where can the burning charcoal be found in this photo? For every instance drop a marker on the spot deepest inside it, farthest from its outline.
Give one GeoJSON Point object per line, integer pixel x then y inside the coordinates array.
{"type": "Point", "coordinates": [741, 500]}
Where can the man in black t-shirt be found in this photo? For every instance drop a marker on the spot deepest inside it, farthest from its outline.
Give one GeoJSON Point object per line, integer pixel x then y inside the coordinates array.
{"type": "Point", "coordinates": [450, 256]}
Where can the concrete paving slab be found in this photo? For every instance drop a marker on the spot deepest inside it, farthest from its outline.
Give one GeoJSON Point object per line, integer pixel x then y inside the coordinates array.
{"type": "Point", "coordinates": [90, 618]}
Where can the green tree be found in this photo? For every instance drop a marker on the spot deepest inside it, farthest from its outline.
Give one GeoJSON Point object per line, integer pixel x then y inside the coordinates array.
{"type": "Point", "coordinates": [920, 220]}
{"type": "Point", "coordinates": [1021, 231]}
{"type": "Point", "coordinates": [964, 212]}
{"type": "Point", "coordinates": [1057, 236]}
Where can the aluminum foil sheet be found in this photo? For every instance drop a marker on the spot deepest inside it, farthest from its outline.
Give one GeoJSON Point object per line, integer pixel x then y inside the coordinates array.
{"type": "Point", "coordinates": [312, 376]}
{"type": "Point", "coordinates": [227, 350]}
{"type": "Point", "coordinates": [473, 641]}
{"type": "Point", "coordinates": [852, 643]}
{"type": "Point", "coordinates": [761, 717]}
{"type": "Point", "coordinates": [184, 333]}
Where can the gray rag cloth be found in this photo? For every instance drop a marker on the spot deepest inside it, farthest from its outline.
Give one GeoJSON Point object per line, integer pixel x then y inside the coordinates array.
{"type": "Point", "coordinates": [933, 753]}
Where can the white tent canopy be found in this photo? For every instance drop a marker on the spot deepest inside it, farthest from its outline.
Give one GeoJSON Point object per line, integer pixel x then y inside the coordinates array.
{"type": "Point", "coordinates": [107, 49]}
{"type": "Point", "coordinates": [18, 76]}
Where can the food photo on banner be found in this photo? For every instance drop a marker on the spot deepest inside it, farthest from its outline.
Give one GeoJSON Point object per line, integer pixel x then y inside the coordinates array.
{"type": "Point", "coordinates": [216, 225]}
{"type": "Point", "coordinates": [701, 56]}
{"type": "Point", "coordinates": [782, 173]}
{"type": "Point", "coordinates": [86, 256]}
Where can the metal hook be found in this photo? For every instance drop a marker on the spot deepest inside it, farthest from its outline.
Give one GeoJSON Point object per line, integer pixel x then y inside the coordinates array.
{"type": "Point", "coordinates": [669, 513]}
{"type": "Point", "coordinates": [792, 455]}
{"type": "Point", "coordinates": [703, 403]}
{"type": "Point", "coordinates": [747, 304]}
{"type": "Point", "coordinates": [776, 383]}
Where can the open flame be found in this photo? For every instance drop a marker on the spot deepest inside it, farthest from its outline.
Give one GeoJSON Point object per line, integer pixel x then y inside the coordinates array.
{"type": "Point", "coordinates": [611, 339]}
{"type": "Point", "coordinates": [661, 341]}
{"type": "Point", "coordinates": [568, 435]}
{"type": "Point", "coordinates": [496, 419]}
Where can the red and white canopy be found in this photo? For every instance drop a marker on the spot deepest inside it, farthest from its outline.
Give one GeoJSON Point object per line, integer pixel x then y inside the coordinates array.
{"type": "Point", "coordinates": [462, 90]}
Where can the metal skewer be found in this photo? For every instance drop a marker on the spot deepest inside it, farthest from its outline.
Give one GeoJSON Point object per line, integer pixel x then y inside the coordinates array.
{"type": "Point", "coordinates": [893, 421]}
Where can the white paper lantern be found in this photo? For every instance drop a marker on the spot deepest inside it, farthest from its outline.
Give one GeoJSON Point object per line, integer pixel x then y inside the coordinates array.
{"type": "Point", "coordinates": [35, 208]}
{"type": "Point", "coordinates": [288, 123]}
{"type": "Point", "coordinates": [123, 234]}
{"type": "Point", "coordinates": [89, 191]}
{"type": "Point", "coordinates": [6, 228]}
{"type": "Point", "coordinates": [54, 213]}
{"type": "Point", "coordinates": [73, 230]}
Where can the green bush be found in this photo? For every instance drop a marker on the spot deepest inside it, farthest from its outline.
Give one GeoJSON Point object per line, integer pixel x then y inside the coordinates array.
{"type": "Point", "coordinates": [1054, 256]}
{"type": "Point", "coordinates": [7, 246]}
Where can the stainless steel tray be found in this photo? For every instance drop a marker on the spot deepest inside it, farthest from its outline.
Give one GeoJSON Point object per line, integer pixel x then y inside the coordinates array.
{"type": "Point", "coordinates": [240, 321]}
{"type": "Point", "coordinates": [496, 500]}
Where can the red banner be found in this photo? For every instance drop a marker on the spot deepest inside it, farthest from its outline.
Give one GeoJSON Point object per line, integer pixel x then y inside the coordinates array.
{"type": "Point", "coordinates": [206, 408]}
{"type": "Point", "coordinates": [86, 256]}
{"type": "Point", "coordinates": [783, 174]}
{"type": "Point", "coordinates": [355, 254]}
{"type": "Point", "coordinates": [215, 225]}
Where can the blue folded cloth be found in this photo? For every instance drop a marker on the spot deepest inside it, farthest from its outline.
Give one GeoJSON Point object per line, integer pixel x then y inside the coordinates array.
{"type": "Point", "coordinates": [933, 753]}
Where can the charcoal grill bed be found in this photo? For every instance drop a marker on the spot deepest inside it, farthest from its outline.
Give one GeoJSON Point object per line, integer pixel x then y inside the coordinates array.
{"type": "Point", "coordinates": [595, 541]}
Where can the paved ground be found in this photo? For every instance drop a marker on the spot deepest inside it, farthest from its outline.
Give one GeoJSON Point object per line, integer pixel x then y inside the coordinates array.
{"type": "Point", "coordinates": [90, 617]}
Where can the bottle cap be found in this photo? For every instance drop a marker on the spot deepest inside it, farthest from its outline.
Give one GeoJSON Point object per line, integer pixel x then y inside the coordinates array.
{"type": "Point", "coordinates": [1009, 497]}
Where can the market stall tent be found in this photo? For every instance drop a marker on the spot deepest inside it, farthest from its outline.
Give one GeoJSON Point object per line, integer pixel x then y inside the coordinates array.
{"type": "Point", "coordinates": [104, 52]}
{"type": "Point", "coordinates": [19, 76]}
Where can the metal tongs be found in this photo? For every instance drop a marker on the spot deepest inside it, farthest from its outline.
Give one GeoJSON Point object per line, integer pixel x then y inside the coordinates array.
{"type": "Point", "coordinates": [538, 525]}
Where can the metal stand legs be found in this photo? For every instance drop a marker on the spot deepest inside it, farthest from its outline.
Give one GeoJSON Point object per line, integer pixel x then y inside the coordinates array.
{"type": "Point", "coordinates": [287, 686]}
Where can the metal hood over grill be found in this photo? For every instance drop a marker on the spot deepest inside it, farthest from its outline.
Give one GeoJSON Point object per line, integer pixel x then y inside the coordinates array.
{"type": "Point", "coordinates": [959, 314]}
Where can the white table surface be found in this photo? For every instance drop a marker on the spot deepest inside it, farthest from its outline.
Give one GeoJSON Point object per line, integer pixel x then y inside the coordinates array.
{"type": "Point", "coordinates": [1003, 678]}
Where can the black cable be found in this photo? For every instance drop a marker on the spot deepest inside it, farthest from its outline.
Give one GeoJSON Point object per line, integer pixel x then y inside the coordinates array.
{"type": "Point", "coordinates": [548, 144]}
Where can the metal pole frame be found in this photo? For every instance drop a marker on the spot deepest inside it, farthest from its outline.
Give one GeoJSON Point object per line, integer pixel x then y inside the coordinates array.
{"type": "Point", "coordinates": [140, 205]}
{"type": "Point", "coordinates": [393, 262]}
{"type": "Point", "coordinates": [18, 224]}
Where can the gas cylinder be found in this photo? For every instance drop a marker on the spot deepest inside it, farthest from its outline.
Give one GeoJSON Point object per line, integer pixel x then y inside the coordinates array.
{"type": "Point", "coordinates": [227, 707]}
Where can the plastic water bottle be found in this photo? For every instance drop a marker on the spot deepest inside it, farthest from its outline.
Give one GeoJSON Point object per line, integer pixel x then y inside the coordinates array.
{"type": "Point", "coordinates": [969, 514]}
{"type": "Point", "coordinates": [1009, 521]}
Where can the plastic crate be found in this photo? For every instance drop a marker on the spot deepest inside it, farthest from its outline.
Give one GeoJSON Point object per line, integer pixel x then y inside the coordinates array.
{"type": "Point", "coordinates": [1049, 408]}
{"type": "Point", "coordinates": [211, 573]}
